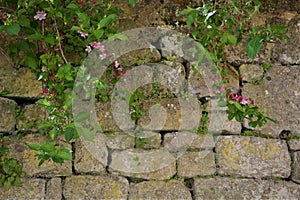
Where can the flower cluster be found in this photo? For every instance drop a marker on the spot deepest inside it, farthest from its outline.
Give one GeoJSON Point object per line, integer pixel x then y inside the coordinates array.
{"type": "Point", "coordinates": [98, 46]}
{"type": "Point", "coordinates": [40, 15]}
{"type": "Point", "coordinates": [239, 98]}
{"type": "Point", "coordinates": [82, 34]}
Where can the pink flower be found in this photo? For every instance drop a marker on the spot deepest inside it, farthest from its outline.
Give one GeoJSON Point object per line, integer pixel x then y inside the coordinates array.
{"type": "Point", "coordinates": [244, 101]}
{"type": "Point", "coordinates": [98, 46]}
{"type": "Point", "coordinates": [103, 56]}
{"type": "Point", "coordinates": [120, 69]}
{"type": "Point", "coordinates": [116, 64]}
{"type": "Point", "coordinates": [223, 89]}
{"type": "Point", "coordinates": [40, 15]}
{"type": "Point", "coordinates": [88, 49]}
{"type": "Point", "coordinates": [82, 34]}
{"type": "Point", "coordinates": [214, 91]}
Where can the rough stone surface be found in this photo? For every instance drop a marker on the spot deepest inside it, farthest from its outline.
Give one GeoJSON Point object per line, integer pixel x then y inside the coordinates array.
{"type": "Point", "coordinates": [95, 187]}
{"type": "Point", "coordinates": [20, 150]}
{"type": "Point", "coordinates": [252, 157]}
{"type": "Point", "coordinates": [20, 82]}
{"type": "Point", "coordinates": [279, 95]}
{"type": "Point", "coordinates": [287, 52]}
{"type": "Point", "coordinates": [251, 73]}
{"type": "Point", "coordinates": [296, 167]}
{"type": "Point", "coordinates": [150, 140]}
{"type": "Point", "coordinates": [228, 188]}
{"type": "Point", "coordinates": [87, 161]}
{"type": "Point", "coordinates": [192, 164]}
{"type": "Point", "coordinates": [30, 189]}
{"type": "Point", "coordinates": [54, 189]}
{"type": "Point", "coordinates": [159, 190]}
{"type": "Point", "coordinates": [31, 118]}
{"type": "Point", "coordinates": [119, 140]}
{"type": "Point", "coordinates": [294, 144]}
{"type": "Point", "coordinates": [154, 164]}
{"type": "Point", "coordinates": [199, 142]}
{"type": "Point", "coordinates": [169, 114]}
{"type": "Point", "coordinates": [7, 115]}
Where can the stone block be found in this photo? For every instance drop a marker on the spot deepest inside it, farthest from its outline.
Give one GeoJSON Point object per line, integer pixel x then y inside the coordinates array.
{"type": "Point", "coordinates": [119, 140]}
{"type": "Point", "coordinates": [279, 96]}
{"type": "Point", "coordinates": [192, 164]}
{"type": "Point", "coordinates": [252, 157]}
{"type": "Point", "coordinates": [230, 188]}
{"type": "Point", "coordinates": [294, 144]}
{"type": "Point", "coordinates": [251, 73]}
{"type": "Point", "coordinates": [156, 164]}
{"type": "Point", "coordinates": [95, 187]}
{"type": "Point", "coordinates": [7, 115]}
{"type": "Point", "coordinates": [54, 189]}
{"type": "Point", "coordinates": [159, 190]}
{"type": "Point", "coordinates": [31, 118]}
{"type": "Point", "coordinates": [296, 167]}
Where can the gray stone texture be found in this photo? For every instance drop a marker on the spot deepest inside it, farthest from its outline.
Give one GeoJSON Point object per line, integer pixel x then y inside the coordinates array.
{"type": "Point", "coordinates": [159, 190]}
{"type": "Point", "coordinates": [251, 73]}
{"type": "Point", "coordinates": [87, 161]}
{"type": "Point", "coordinates": [193, 164]}
{"type": "Point", "coordinates": [170, 114]}
{"type": "Point", "coordinates": [279, 96]}
{"type": "Point", "coordinates": [230, 188]}
{"type": "Point", "coordinates": [54, 189]}
{"type": "Point", "coordinates": [7, 115]}
{"type": "Point", "coordinates": [95, 187]}
{"type": "Point", "coordinates": [30, 118]}
{"type": "Point", "coordinates": [156, 164]}
{"type": "Point", "coordinates": [30, 189]}
{"type": "Point", "coordinates": [119, 140]}
{"type": "Point", "coordinates": [20, 82]}
{"type": "Point", "coordinates": [288, 51]}
{"type": "Point", "coordinates": [296, 167]}
{"type": "Point", "coordinates": [20, 150]}
{"type": "Point", "coordinates": [252, 157]}
{"type": "Point", "coordinates": [294, 144]}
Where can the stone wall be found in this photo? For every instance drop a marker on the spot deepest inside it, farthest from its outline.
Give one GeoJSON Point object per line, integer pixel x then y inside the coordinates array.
{"type": "Point", "coordinates": [237, 164]}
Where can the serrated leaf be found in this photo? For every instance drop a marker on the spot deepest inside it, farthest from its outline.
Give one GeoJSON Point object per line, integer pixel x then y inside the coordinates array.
{"type": "Point", "coordinates": [13, 29]}
{"type": "Point", "coordinates": [47, 147]}
{"type": "Point", "coordinates": [64, 155]}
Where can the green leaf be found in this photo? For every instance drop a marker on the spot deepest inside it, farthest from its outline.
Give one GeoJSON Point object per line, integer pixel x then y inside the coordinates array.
{"type": "Point", "coordinates": [7, 184]}
{"type": "Point", "coordinates": [24, 21]}
{"type": "Point", "coordinates": [35, 147]}
{"type": "Point", "coordinates": [43, 102]}
{"type": "Point", "coordinates": [239, 106]}
{"type": "Point", "coordinates": [69, 133]}
{"type": "Point", "coordinates": [253, 46]}
{"type": "Point", "coordinates": [82, 116]}
{"type": "Point", "coordinates": [132, 2]}
{"type": "Point", "coordinates": [72, 6]}
{"type": "Point", "coordinates": [222, 103]}
{"type": "Point", "coordinates": [13, 29]}
{"type": "Point", "coordinates": [230, 116]}
{"type": "Point", "coordinates": [35, 36]}
{"type": "Point", "coordinates": [4, 92]}
{"type": "Point", "coordinates": [64, 155]}
{"type": "Point", "coordinates": [186, 11]}
{"type": "Point", "coordinates": [31, 62]}
{"type": "Point", "coordinates": [2, 28]}
{"type": "Point", "coordinates": [98, 33]}
{"type": "Point", "coordinates": [119, 36]}
{"type": "Point", "coordinates": [47, 147]}
{"type": "Point", "coordinates": [106, 21]}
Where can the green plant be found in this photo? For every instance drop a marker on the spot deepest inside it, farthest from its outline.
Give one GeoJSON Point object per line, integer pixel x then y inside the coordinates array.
{"type": "Point", "coordinates": [10, 168]}
{"type": "Point", "coordinates": [217, 26]}
{"type": "Point", "coordinates": [49, 33]}
{"type": "Point", "coordinates": [202, 129]}
{"type": "Point", "coordinates": [134, 102]}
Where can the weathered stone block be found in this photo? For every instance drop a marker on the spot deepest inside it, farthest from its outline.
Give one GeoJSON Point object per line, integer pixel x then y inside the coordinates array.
{"type": "Point", "coordinates": [54, 189]}
{"type": "Point", "coordinates": [31, 118]}
{"type": "Point", "coordinates": [87, 160]}
{"type": "Point", "coordinates": [294, 144]}
{"type": "Point", "coordinates": [95, 187]}
{"type": "Point", "coordinates": [20, 82]}
{"type": "Point", "coordinates": [148, 140]}
{"type": "Point", "coordinates": [228, 188]}
{"type": "Point", "coordinates": [20, 150]}
{"type": "Point", "coordinates": [296, 167]}
{"type": "Point", "coordinates": [30, 189]}
{"type": "Point", "coordinates": [157, 164]}
{"type": "Point", "coordinates": [159, 190]}
{"type": "Point", "coordinates": [7, 115]}
{"type": "Point", "coordinates": [198, 142]}
{"type": "Point", "coordinates": [119, 140]}
{"type": "Point", "coordinates": [192, 164]}
{"type": "Point", "coordinates": [252, 157]}
{"type": "Point", "coordinates": [251, 73]}
{"type": "Point", "coordinates": [280, 86]}
{"type": "Point", "coordinates": [170, 114]}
